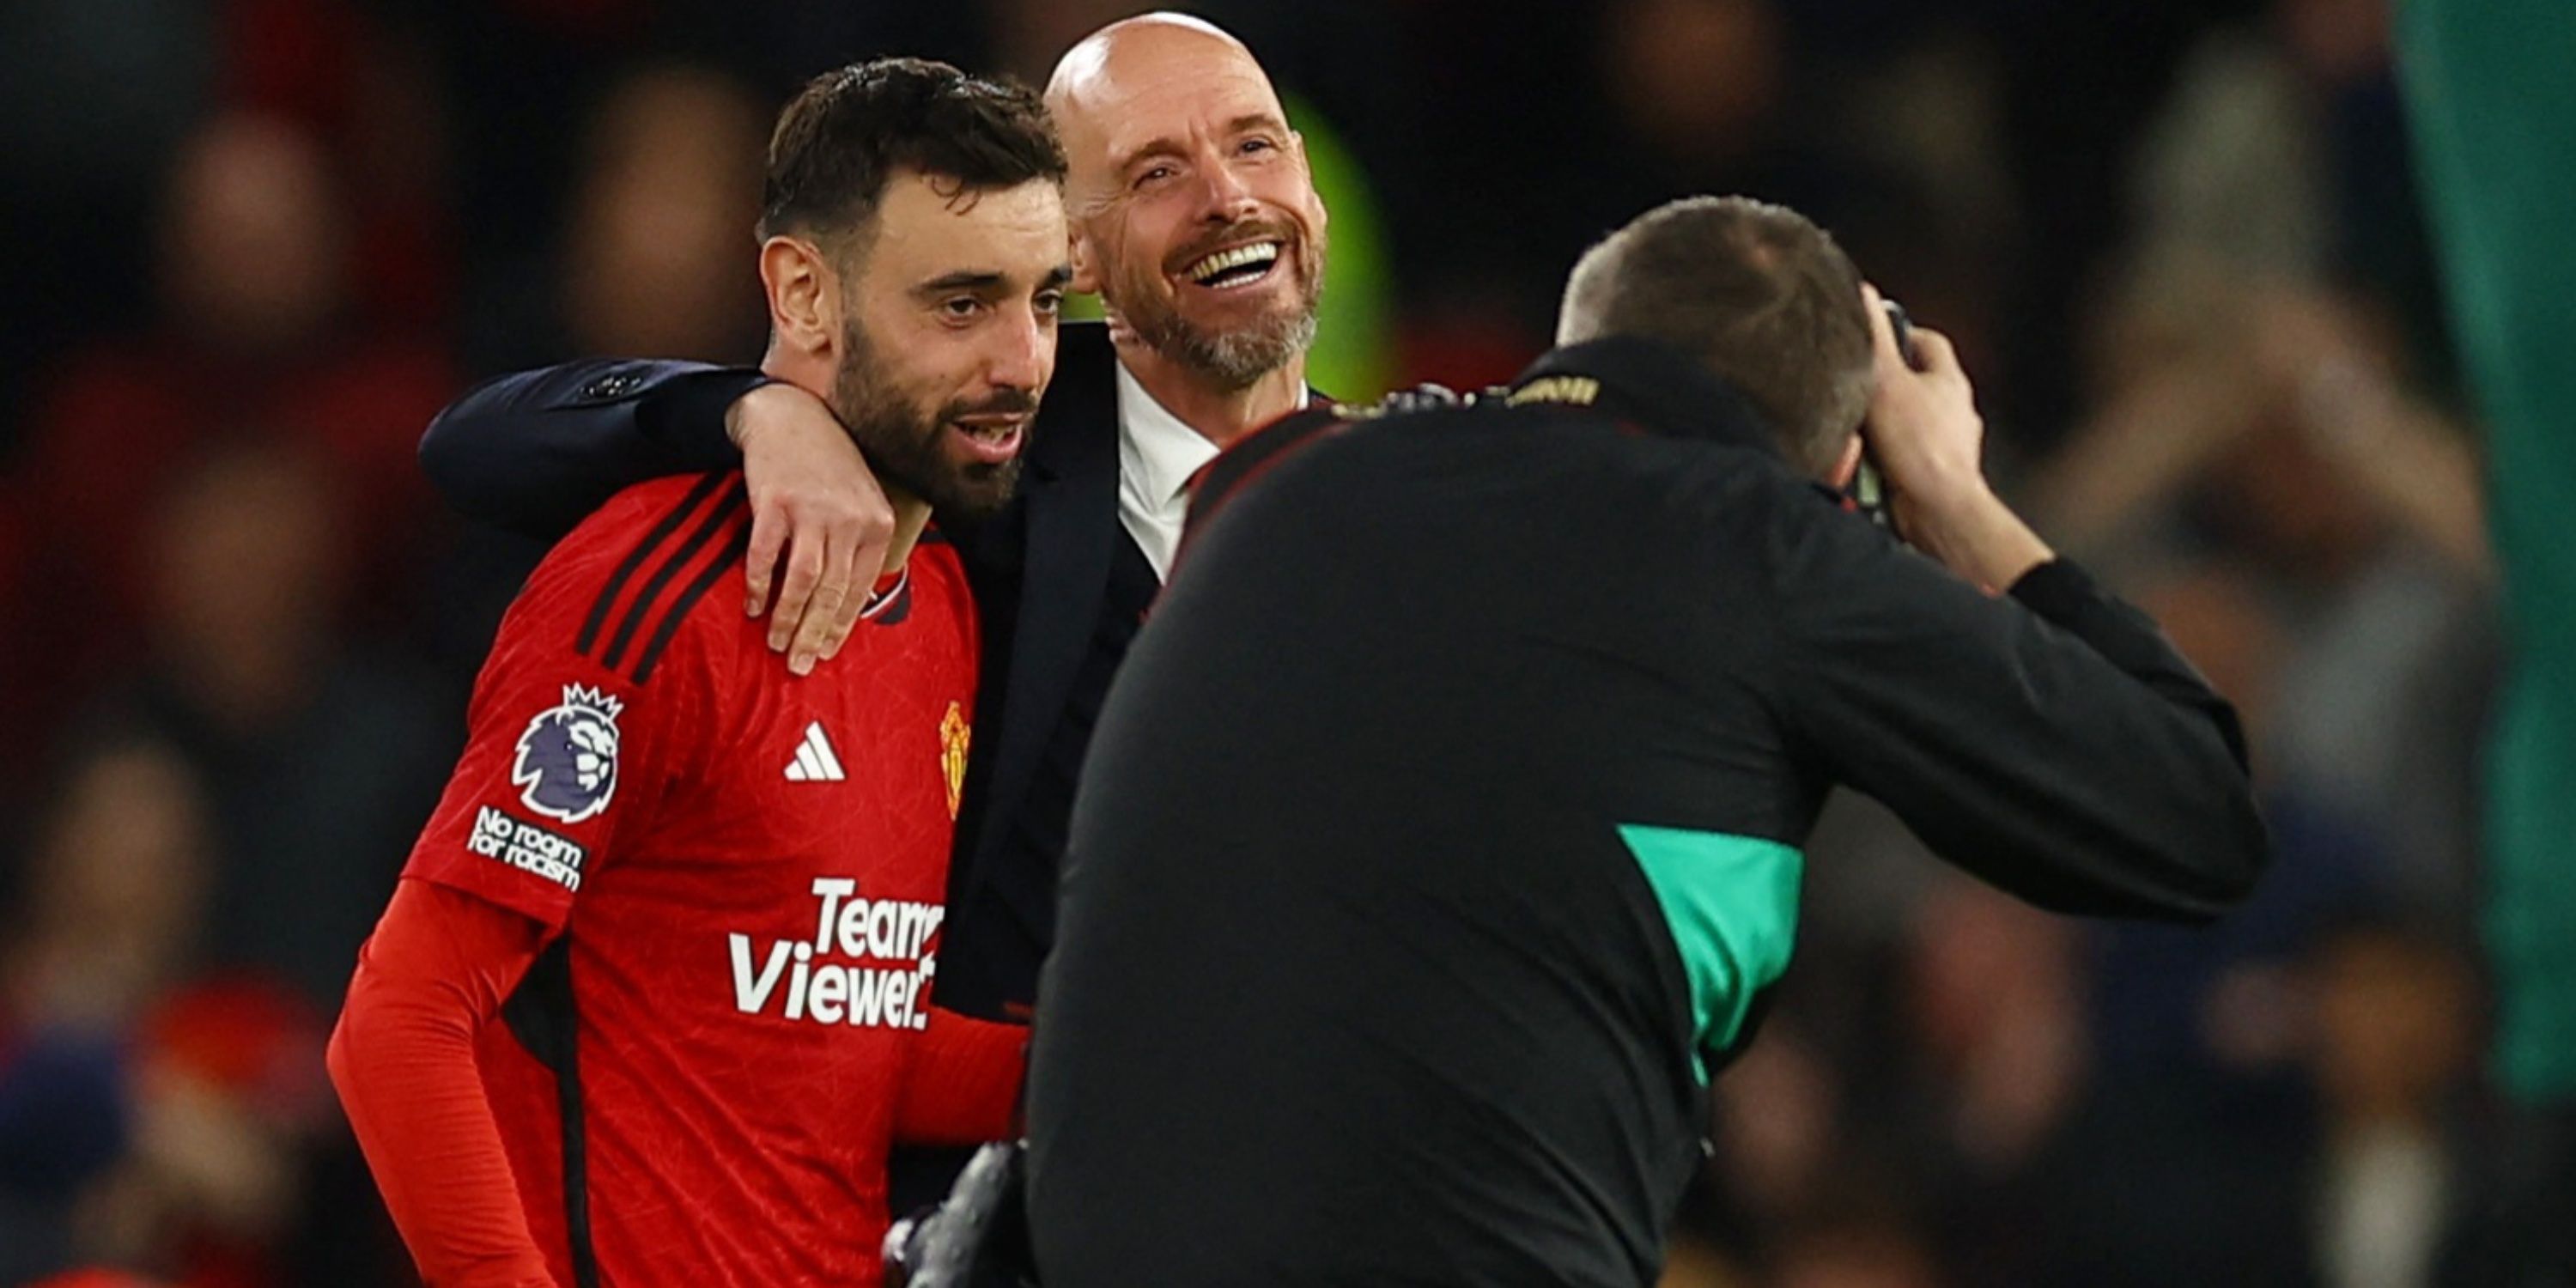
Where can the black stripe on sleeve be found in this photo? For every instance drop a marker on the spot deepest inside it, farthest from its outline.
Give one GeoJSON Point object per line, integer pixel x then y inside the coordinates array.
{"type": "Point", "coordinates": [680, 558]}
{"type": "Point", "coordinates": [689, 597]}
{"type": "Point", "coordinates": [643, 550]}
{"type": "Point", "coordinates": [543, 1015]}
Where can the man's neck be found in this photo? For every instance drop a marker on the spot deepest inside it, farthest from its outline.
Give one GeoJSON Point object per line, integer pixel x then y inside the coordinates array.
{"type": "Point", "coordinates": [910, 517]}
{"type": "Point", "coordinates": [1219, 415]}
{"type": "Point", "coordinates": [911, 514]}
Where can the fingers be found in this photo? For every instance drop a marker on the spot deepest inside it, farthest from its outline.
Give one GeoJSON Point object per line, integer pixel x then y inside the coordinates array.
{"type": "Point", "coordinates": [768, 535]}
{"type": "Point", "coordinates": [804, 571]}
{"type": "Point", "coordinates": [821, 624]}
{"type": "Point", "coordinates": [1934, 354]}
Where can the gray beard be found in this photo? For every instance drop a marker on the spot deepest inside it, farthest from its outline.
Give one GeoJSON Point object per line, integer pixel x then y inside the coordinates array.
{"type": "Point", "coordinates": [1232, 359]}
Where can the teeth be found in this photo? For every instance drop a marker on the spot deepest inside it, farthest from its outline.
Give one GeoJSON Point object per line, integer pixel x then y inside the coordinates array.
{"type": "Point", "coordinates": [1256, 253]}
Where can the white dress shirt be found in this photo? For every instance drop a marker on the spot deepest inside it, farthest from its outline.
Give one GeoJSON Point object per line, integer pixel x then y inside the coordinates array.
{"type": "Point", "coordinates": [1157, 454]}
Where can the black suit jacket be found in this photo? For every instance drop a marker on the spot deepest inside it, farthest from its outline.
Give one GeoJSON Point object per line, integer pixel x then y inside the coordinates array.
{"type": "Point", "coordinates": [536, 451]}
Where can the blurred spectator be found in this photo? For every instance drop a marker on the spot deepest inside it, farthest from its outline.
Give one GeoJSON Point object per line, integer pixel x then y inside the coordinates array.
{"type": "Point", "coordinates": [2394, 1038]}
{"type": "Point", "coordinates": [145, 1120]}
{"type": "Point", "coordinates": [94, 97]}
{"type": "Point", "coordinates": [2282, 153]}
{"type": "Point", "coordinates": [1691, 1262]}
{"type": "Point", "coordinates": [319, 763]}
{"type": "Point", "coordinates": [1863, 1251]}
{"type": "Point", "coordinates": [254, 340]}
{"type": "Point", "coordinates": [2266, 391]}
{"type": "Point", "coordinates": [1994, 999]}
{"type": "Point", "coordinates": [109, 917]}
{"type": "Point", "coordinates": [2273, 425]}
{"type": "Point", "coordinates": [655, 254]}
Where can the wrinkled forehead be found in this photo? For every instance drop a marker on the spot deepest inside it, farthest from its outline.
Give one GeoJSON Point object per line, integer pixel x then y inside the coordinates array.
{"type": "Point", "coordinates": [1138, 99]}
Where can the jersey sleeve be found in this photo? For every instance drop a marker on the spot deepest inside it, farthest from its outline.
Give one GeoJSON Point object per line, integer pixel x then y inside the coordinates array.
{"type": "Point", "coordinates": [2051, 742]}
{"type": "Point", "coordinates": [572, 731]}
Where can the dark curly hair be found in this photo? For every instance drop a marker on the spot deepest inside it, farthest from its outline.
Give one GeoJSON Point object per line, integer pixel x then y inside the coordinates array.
{"type": "Point", "coordinates": [849, 131]}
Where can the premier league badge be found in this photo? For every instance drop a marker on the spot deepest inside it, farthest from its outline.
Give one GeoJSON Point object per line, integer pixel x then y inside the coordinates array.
{"type": "Point", "coordinates": [567, 760]}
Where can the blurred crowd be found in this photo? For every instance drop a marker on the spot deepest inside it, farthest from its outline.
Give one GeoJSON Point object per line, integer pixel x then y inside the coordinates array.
{"type": "Point", "coordinates": [252, 245]}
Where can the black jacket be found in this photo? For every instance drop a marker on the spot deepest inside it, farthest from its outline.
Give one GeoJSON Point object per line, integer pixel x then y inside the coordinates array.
{"type": "Point", "coordinates": [1444, 832]}
{"type": "Point", "coordinates": [536, 451]}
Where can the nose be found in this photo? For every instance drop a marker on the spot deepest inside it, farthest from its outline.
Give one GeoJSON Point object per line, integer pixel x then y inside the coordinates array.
{"type": "Point", "coordinates": [1023, 353]}
{"type": "Point", "coordinates": [1226, 197]}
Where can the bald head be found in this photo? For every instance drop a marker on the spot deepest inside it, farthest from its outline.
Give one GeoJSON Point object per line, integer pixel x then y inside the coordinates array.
{"type": "Point", "coordinates": [1118, 90]}
{"type": "Point", "coordinates": [1193, 212]}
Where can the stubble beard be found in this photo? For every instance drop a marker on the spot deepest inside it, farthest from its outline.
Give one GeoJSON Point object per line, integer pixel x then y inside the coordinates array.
{"type": "Point", "coordinates": [1233, 359]}
{"type": "Point", "coordinates": [903, 444]}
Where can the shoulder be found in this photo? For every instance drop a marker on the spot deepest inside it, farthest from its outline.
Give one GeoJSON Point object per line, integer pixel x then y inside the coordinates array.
{"type": "Point", "coordinates": [1086, 367]}
{"type": "Point", "coordinates": [1257, 453]}
{"type": "Point", "coordinates": [631, 578]}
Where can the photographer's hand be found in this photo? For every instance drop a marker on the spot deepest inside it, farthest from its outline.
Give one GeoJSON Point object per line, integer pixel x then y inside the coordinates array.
{"type": "Point", "coordinates": [1924, 431]}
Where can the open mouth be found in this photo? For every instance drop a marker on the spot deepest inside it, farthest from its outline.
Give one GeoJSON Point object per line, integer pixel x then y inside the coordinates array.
{"type": "Point", "coordinates": [992, 439]}
{"type": "Point", "coordinates": [1236, 267]}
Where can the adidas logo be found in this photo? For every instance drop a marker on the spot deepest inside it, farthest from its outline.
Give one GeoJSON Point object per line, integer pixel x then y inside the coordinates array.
{"type": "Point", "coordinates": [814, 761]}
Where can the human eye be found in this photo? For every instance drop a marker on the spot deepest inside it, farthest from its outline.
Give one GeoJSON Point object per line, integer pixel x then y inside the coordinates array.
{"type": "Point", "coordinates": [1154, 174]}
{"type": "Point", "coordinates": [961, 308]}
{"type": "Point", "coordinates": [1050, 303]}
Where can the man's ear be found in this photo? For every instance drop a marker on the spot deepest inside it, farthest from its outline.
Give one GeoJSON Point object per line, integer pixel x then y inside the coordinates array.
{"type": "Point", "coordinates": [804, 295]}
{"type": "Point", "coordinates": [1086, 268]}
{"type": "Point", "coordinates": [1848, 465]}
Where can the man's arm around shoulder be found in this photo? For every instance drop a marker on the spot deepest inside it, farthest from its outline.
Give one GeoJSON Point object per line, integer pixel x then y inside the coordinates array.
{"type": "Point", "coordinates": [536, 451]}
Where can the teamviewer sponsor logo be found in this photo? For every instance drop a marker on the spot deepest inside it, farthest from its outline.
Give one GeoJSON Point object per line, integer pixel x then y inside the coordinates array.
{"type": "Point", "coordinates": [867, 965]}
{"type": "Point", "coordinates": [527, 847]}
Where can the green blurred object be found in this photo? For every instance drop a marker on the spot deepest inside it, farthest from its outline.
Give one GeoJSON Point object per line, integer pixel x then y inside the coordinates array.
{"type": "Point", "coordinates": [1352, 336]}
{"type": "Point", "coordinates": [2493, 107]}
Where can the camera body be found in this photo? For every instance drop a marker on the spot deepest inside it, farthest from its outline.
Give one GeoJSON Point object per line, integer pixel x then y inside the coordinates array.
{"type": "Point", "coordinates": [1868, 490]}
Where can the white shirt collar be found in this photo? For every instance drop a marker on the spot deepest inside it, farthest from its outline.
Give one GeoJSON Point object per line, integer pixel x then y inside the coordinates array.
{"type": "Point", "coordinates": [1157, 453]}
{"type": "Point", "coordinates": [1157, 456]}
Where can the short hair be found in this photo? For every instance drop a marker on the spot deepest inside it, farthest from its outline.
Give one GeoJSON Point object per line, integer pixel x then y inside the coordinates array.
{"type": "Point", "coordinates": [1762, 296]}
{"type": "Point", "coordinates": [850, 131]}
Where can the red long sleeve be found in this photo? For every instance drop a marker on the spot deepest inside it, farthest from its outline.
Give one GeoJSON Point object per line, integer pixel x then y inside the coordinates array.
{"type": "Point", "coordinates": [438, 967]}
{"type": "Point", "coordinates": [962, 1086]}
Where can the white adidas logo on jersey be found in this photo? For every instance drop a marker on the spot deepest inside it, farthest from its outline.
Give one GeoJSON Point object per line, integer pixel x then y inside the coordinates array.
{"type": "Point", "coordinates": [814, 762]}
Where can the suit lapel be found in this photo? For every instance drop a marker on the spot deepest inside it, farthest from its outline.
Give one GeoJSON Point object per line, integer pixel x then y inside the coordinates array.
{"type": "Point", "coordinates": [1071, 500]}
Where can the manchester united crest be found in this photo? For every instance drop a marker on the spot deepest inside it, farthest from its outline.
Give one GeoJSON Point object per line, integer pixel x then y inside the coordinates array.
{"type": "Point", "coordinates": [954, 734]}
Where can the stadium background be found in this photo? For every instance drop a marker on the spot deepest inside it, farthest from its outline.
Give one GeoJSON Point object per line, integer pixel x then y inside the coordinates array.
{"type": "Point", "coordinates": [247, 247]}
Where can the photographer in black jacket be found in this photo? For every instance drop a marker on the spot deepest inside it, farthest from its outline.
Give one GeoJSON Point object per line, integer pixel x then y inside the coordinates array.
{"type": "Point", "coordinates": [1432, 856]}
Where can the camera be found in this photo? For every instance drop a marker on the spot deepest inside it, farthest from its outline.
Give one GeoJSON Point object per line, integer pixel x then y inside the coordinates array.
{"type": "Point", "coordinates": [1868, 490]}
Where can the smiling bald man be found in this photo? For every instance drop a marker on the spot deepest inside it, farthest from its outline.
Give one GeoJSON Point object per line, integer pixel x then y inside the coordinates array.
{"type": "Point", "coordinates": [1195, 217]}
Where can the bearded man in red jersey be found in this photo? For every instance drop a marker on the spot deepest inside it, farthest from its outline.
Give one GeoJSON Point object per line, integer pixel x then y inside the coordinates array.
{"type": "Point", "coordinates": [651, 1001]}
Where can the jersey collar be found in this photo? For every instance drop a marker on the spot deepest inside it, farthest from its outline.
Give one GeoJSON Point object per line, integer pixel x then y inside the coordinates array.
{"type": "Point", "coordinates": [1650, 385]}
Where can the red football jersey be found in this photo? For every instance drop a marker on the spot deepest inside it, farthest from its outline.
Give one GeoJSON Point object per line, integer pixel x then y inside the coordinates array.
{"type": "Point", "coordinates": [746, 869]}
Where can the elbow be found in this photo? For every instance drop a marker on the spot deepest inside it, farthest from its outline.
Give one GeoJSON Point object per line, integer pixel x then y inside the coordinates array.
{"type": "Point", "coordinates": [438, 455]}
{"type": "Point", "coordinates": [449, 455]}
{"type": "Point", "coordinates": [340, 1057]}
{"type": "Point", "coordinates": [2243, 846]}
{"type": "Point", "coordinates": [2226, 850]}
